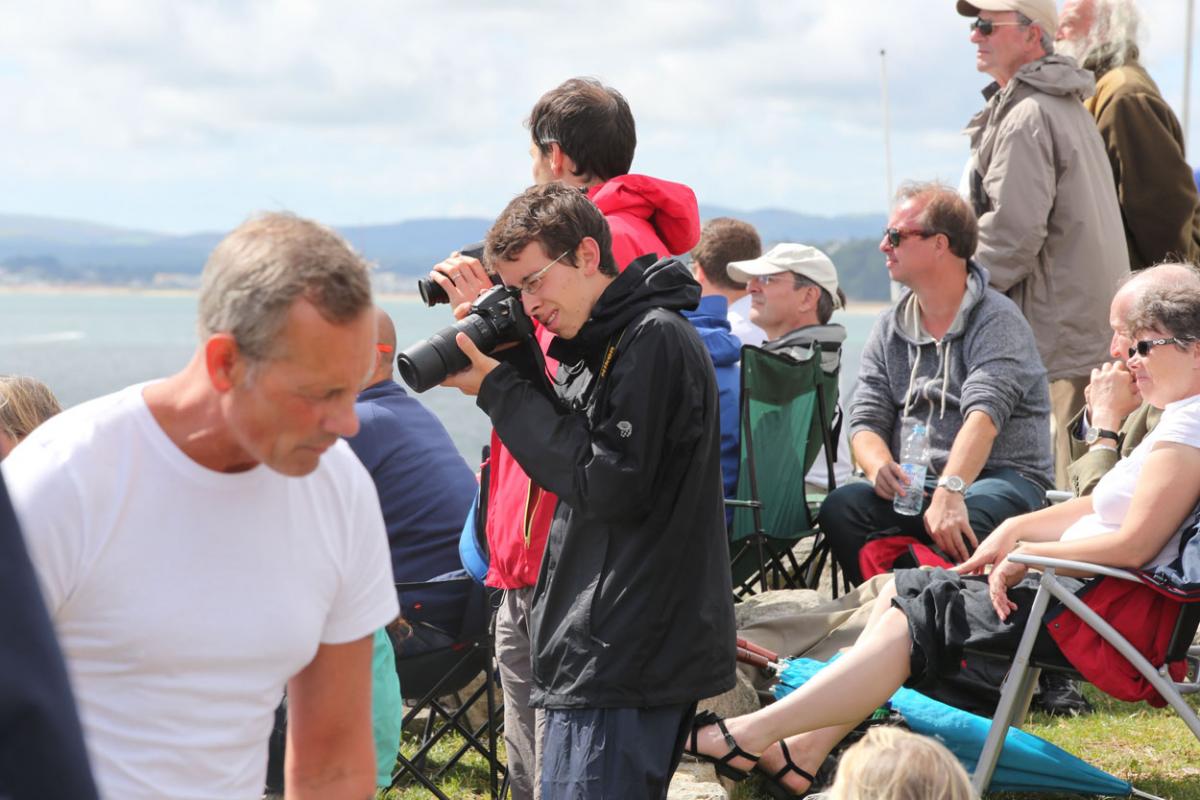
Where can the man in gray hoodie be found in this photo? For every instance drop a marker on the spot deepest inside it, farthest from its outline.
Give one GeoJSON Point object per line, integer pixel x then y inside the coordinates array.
{"type": "Point", "coordinates": [959, 357]}
{"type": "Point", "coordinates": [1050, 229]}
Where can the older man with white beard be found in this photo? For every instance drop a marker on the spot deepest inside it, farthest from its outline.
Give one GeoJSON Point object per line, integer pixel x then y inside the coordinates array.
{"type": "Point", "coordinates": [1141, 133]}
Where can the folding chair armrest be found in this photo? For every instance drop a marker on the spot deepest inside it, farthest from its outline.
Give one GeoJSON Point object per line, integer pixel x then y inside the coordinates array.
{"type": "Point", "coordinates": [742, 503]}
{"type": "Point", "coordinates": [1056, 496]}
{"type": "Point", "coordinates": [1077, 566]}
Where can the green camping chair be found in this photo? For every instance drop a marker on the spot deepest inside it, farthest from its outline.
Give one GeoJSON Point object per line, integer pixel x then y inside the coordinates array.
{"type": "Point", "coordinates": [787, 415]}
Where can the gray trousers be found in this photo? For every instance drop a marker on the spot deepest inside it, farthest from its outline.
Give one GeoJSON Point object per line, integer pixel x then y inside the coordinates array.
{"type": "Point", "coordinates": [523, 725]}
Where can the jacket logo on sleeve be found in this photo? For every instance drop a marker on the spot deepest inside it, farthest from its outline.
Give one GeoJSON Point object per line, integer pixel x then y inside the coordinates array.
{"type": "Point", "coordinates": [625, 428]}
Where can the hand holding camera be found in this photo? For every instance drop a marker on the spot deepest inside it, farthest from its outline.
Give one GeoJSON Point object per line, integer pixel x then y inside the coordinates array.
{"type": "Point", "coordinates": [458, 280]}
{"type": "Point", "coordinates": [495, 318]}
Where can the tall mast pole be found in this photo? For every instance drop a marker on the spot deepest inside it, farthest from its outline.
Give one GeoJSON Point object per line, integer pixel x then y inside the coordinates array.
{"type": "Point", "coordinates": [887, 148]}
{"type": "Point", "coordinates": [887, 128]}
{"type": "Point", "coordinates": [1187, 70]}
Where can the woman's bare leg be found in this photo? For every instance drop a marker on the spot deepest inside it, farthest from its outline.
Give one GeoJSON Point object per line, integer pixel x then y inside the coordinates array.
{"type": "Point", "coordinates": [840, 695]}
{"type": "Point", "coordinates": [808, 750]}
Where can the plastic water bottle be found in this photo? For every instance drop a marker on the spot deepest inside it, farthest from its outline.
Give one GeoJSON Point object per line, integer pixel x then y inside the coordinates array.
{"type": "Point", "coordinates": [914, 460]}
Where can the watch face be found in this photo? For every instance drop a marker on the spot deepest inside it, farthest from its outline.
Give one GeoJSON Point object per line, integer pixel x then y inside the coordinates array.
{"type": "Point", "coordinates": [1092, 435]}
{"type": "Point", "coordinates": [953, 483]}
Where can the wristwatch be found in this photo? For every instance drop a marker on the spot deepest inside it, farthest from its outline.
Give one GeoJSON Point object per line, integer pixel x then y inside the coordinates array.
{"type": "Point", "coordinates": [952, 483]}
{"type": "Point", "coordinates": [1096, 434]}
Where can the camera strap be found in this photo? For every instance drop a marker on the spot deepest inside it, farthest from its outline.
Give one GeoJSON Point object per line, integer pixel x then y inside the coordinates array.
{"type": "Point", "coordinates": [609, 353]}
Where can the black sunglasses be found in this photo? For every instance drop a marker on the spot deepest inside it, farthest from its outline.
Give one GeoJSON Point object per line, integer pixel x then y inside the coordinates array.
{"type": "Point", "coordinates": [986, 26]}
{"type": "Point", "coordinates": [897, 235]}
{"type": "Point", "coordinates": [1143, 347]}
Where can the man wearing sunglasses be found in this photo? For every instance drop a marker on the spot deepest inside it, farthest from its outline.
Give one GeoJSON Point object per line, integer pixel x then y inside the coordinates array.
{"type": "Point", "coordinates": [1143, 137]}
{"type": "Point", "coordinates": [1050, 229]}
{"type": "Point", "coordinates": [632, 617]}
{"type": "Point", "coordinates": [957, 356]}
{"type": "Point", "coordinates": [1115, 420]}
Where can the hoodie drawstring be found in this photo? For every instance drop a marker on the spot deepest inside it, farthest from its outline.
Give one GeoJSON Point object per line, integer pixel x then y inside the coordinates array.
{"type": "Point", "coordinates": [944, 367]}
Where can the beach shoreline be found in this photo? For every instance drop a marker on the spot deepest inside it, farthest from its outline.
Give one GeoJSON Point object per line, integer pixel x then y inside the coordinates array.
{"type": "Point", "coordinates": [855, 306]}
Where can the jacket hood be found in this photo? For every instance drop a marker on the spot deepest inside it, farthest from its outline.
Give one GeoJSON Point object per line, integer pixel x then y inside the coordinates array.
{"type": "Point", "coordinates": [644, 284]}
{"type": "Point", "coordinates": [831, 334]}
{"type": "Point", "coordinates": [669, 208]}
{"type": "Point", "coordinates": [712, 323]}
{"type": "Point", "coordinates": [1052, 75]}
{"type": "Point", "coordinates": [908, 312]}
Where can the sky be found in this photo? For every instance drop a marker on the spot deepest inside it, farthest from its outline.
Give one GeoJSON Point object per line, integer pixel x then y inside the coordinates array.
{"type": "Point", "coordinates": [184, 116]}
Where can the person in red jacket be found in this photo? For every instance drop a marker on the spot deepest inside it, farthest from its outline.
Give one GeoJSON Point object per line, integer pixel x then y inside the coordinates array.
{"type": "Point", "coordinates": [583, 135]}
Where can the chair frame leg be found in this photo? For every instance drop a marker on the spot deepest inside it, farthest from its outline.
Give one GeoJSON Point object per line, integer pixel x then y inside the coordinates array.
{"type": "Point", "coordinates": [1021, 676]}
{"type": "Point", "coordinates": [1016, 688]}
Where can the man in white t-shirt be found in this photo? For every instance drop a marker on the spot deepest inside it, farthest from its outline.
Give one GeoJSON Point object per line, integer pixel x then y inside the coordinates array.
{"type": "Point", "coordinates": [204, 540]}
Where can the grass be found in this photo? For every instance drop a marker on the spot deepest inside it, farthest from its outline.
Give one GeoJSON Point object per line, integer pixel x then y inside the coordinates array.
{"type": "Point", "coordinates": [467, 780]}
{"type": "Point", "coordinates": [1151, 748]}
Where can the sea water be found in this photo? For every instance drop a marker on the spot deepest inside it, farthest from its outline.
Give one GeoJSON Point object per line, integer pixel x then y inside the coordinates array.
{"type": "Point", "coordinates": [84, 344]}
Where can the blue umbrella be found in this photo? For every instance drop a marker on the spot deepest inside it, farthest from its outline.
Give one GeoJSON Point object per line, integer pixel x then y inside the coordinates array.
{"type": "Point", "coordinates": [1027, 763]}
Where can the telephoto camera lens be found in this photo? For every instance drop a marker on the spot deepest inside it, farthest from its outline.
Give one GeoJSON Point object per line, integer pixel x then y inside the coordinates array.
{"type": "Point", "coordinates": [496, 317]}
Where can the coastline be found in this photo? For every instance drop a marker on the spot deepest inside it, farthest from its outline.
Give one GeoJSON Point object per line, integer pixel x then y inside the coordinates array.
{"type": "Point", "coordinates": [871, 307]}
{"type": "Point", "coordinates": [142, 291]}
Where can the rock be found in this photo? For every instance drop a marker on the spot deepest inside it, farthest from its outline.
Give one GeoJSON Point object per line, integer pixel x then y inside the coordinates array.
{"type": "Point", "coordinates": [696, 781]}
{"type": "Point", "coordinates": [776, 604]}
{"type": "Point", "coordinates": [741, 699]}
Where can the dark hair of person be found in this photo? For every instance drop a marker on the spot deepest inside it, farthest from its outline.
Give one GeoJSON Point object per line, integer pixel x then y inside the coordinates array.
{"type": "Point", "coordinates": [592, 124]}
{"type": "Point", "coordinates": [725, 239]}
{"type": "Point", "coordinates": [825, 301]}
{"type": "Point", "coordinates": [947, 213]}
{"type": "Point", "coordinates": [555, 215]}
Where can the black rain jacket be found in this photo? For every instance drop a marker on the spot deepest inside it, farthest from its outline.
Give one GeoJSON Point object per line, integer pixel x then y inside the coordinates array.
{"type": "Point", "coordinates": [633, 606]}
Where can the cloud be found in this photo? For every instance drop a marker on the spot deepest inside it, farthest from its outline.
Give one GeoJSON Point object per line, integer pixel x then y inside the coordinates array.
{"type": "Point", "coordinates": [184, 115]}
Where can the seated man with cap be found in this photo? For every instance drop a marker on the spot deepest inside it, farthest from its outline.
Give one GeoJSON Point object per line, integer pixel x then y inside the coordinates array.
{"type": "Point", "coordinates": [793, 294]}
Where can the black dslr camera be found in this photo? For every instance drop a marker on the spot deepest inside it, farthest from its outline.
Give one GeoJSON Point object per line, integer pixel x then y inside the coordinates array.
{"type": "Point", "coordinates": [496, 317]}
{"type": "Point", "coordinates": [432, 294]}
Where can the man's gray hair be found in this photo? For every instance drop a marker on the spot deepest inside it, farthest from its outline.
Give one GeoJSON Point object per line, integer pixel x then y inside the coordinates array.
{"type": "Point", "coordinates": [257, 272]}
{"type": "Point", "coordinates": [1111, 40]}
{"type": "Point", "coordinates": [1047, 40]}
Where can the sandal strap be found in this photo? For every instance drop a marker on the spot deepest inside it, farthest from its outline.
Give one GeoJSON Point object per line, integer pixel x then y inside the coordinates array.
{"type": "Point", "coordinates": [791, 766]}
{"type": "Point", "coordinates": [706, 718]}
{"type": "Point", "coordinates": [735, 750]}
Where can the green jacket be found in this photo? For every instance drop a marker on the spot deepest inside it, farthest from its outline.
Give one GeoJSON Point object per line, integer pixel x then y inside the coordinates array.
{"type": "Point", "coordinates": [1087, 467]}
{"type": "Point", "coordinates": [1144, 141]}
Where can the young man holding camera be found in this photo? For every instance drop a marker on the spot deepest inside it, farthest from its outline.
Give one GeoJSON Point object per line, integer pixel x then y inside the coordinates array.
{"type": "Point", "coordinates": [632, 619]}
{"type": "Point", "coordinates": [582, 135]}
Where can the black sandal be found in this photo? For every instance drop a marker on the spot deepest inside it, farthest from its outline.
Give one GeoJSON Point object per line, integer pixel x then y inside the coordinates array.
{"type": "Point", "coordinates": [722, 765]}
{"type": "Point", "coordinates": [773, 783]}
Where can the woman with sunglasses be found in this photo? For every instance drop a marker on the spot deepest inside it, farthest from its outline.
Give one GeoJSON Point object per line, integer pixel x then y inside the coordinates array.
{"type": "Point", "coordinates": [924, 619]}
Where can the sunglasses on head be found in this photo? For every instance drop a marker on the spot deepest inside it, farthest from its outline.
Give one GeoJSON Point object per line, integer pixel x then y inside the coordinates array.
{"type": "Point", "coordinates": [1143, 347]}
{"type": "Point", "coordinates": [986, 26]}
{"type": "Point", "coordinates": [897, 235]}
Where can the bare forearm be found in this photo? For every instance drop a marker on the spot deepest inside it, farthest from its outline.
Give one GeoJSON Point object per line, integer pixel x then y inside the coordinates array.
{"type": "Point", "coordinates": [971, 448]}
{"type": "Point", "coordinates": [336, 787]}
{"type": "Point", "coordinates": [1046, 524]}
{"type": "Point", "coordinates": [871, 452]}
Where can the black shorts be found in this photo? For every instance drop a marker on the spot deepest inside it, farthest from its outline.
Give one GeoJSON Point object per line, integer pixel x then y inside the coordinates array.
{"type": "Point", "coordinates": [948, 613]}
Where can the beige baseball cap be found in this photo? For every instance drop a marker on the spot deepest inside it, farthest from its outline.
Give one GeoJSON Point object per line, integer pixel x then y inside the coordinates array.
{"type": "Point", "coordinates": [798, 258]}
{"type": "Point", "coordinates": [1042, 12]}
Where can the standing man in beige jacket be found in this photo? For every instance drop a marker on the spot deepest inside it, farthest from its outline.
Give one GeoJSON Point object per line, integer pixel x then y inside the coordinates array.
{"type": "Point", "coordinates": [1050, 230]}
{"type": "Point", "coordinates": [1142, 135]}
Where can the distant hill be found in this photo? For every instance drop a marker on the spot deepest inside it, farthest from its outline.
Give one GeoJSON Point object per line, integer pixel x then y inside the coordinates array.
{"type": "Point", "coordinates": [777, 225]}
{"type": "Point", "coordinates": [40, 248]}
